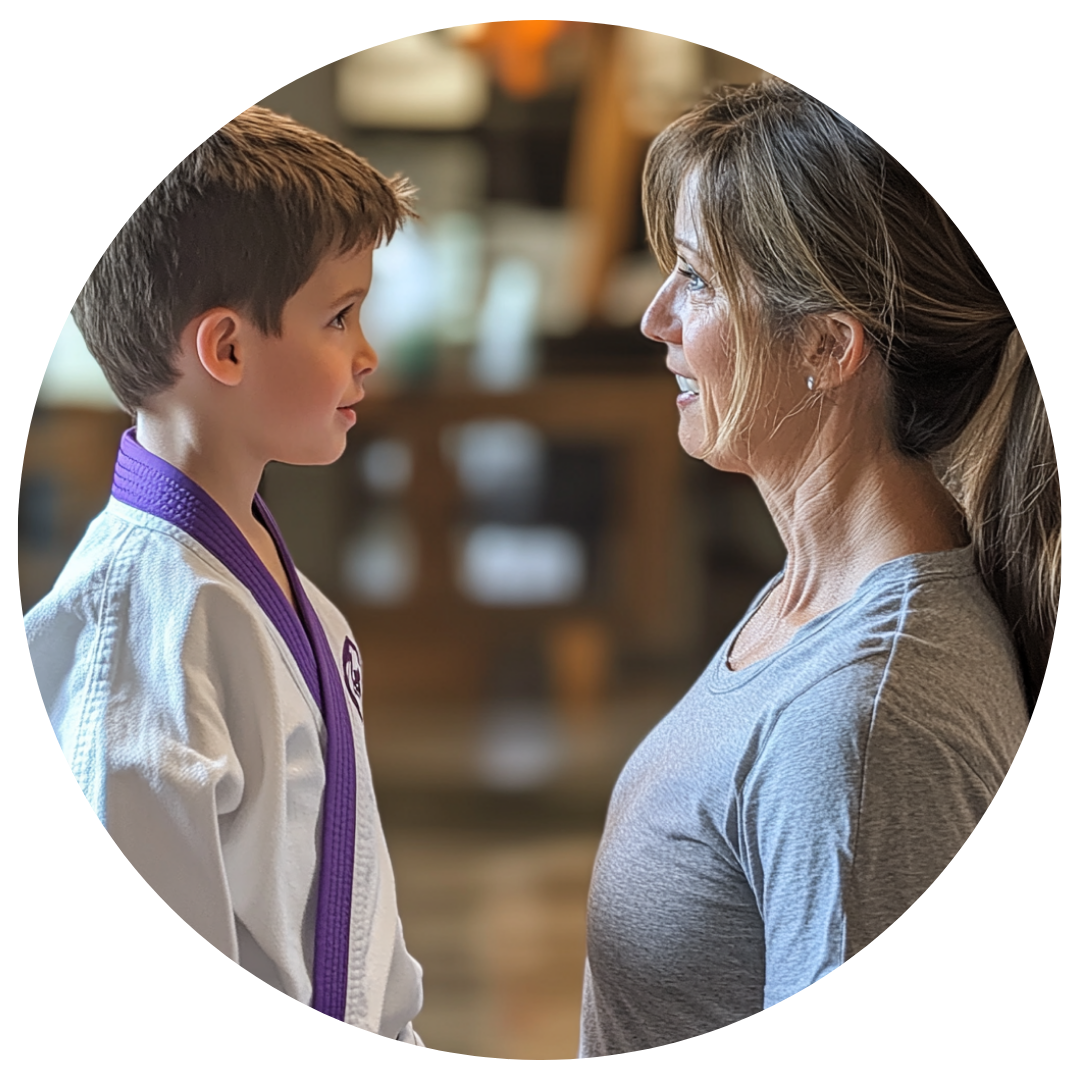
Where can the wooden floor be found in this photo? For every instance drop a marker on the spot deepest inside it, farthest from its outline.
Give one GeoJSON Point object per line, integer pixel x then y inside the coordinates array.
{"type": "Point", "coordinates": [492, 881]}
{"type": "Point", "coordinates": [498, 926]}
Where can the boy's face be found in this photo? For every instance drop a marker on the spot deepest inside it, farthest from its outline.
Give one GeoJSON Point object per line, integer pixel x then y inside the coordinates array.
{"type": "Point", "coordinates": [302, 386]}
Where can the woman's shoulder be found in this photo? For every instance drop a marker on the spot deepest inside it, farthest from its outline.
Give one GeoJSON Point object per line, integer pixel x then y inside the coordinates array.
{"type": "Point", "coordinates": [925, 613]}
{"type": "Point", "coordinates": [922, 656]}
{"type": "Point", "coordinates": [944, 587]}
{"type": "Point", "coordinates": [942, 633]}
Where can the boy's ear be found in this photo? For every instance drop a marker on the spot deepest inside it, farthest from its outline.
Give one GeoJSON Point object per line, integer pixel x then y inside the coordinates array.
{"type": "Point", "coordinates": [217, 344]}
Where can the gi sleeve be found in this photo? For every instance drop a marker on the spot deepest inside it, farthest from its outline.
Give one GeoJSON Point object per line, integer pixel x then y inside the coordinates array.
{"type": "Point", "coordinates": [137, 668]}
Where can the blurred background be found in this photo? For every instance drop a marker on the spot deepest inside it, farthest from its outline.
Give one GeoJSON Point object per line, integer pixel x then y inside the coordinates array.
{"type": "Point", "coordinates": [533, 569]}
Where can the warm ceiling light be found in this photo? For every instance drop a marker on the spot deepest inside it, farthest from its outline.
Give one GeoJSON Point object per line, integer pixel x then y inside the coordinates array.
{"type": "Point", "coordinates": [517, 52]}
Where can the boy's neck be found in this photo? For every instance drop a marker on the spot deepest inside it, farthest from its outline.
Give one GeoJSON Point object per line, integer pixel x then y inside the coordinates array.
{"type": "Point", "coordinates": [206, 457]}
{"type": "Point", "coordinates": [223, 468]}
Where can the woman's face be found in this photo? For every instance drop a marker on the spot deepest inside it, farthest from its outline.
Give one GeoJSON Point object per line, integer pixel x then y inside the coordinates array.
{"type": "Point", "coordinates": [690, 316]}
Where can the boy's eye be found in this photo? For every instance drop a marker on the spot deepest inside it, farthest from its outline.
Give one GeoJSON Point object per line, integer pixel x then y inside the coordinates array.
{"type": "Point", "coordinates": [338, 320]}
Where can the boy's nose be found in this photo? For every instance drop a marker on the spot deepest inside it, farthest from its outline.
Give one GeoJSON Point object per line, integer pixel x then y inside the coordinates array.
{"type": "Point", "coordinates": [366, 357]}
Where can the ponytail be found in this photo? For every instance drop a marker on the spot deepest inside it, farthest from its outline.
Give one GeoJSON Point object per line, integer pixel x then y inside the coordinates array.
{"type": "Point", "coordinates": [1003, 471]}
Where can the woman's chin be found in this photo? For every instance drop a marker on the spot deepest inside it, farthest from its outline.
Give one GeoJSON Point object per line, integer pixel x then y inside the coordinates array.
{"type": "Point", "coordinates": [696, 443]}
{"type": "Point", "coordinates": [692, 436]}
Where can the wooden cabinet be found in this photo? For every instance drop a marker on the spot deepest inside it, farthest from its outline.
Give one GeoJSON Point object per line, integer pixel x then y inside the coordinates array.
{"type": "Point", "coordinates": [67, 475]}
{"type": "Point", "coordinates": [436, 642]}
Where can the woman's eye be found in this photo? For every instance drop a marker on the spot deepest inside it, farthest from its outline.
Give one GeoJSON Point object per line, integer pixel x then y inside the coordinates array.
{"type": "Point", "coordinates": [694, 281]}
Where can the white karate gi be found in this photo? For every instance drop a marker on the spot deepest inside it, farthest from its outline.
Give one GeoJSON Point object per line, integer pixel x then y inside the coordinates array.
{"type": "Point", "coordinates": [190, 727]}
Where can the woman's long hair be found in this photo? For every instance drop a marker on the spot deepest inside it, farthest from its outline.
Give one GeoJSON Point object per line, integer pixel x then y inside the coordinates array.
{"type": "Point", "coordinates": [803, 214]}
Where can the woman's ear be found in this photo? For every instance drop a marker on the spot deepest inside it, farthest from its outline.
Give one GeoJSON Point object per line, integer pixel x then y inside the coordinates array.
{"type": "Point", "coordinates": [835, 348]}
{"type": "Point", "coordinates": [850, 343]}
{"type": "Point", "coordinates": [217, 341]}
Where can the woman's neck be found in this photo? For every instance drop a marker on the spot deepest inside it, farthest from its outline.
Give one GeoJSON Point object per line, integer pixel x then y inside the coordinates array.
{"type": "Point", "coordinates": [847, 512]}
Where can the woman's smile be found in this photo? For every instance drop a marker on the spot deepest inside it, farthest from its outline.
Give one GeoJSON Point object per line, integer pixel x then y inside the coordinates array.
{"type": "Point", "coordinates": [688, 390]}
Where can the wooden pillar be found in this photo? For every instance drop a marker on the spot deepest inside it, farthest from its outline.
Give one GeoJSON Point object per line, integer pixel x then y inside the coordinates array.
{"type": "Point", "coordinates": [604, 177]}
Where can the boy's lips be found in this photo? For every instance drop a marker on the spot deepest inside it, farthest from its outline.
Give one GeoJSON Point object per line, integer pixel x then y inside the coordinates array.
{"type": "Point", "coordinates": [348, 412]}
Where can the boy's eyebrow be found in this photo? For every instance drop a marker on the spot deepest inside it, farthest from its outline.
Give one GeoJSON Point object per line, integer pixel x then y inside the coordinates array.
{"type": "Point", "coordinates": [350, 294]}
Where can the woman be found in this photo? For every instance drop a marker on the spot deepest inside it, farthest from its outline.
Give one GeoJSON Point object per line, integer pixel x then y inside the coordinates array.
{"type": "Point", "coordinates": [834, 337]}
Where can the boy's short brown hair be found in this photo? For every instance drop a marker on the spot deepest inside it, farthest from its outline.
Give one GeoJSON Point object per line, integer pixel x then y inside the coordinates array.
{"type": "Point", "coordinates": [243, 221]}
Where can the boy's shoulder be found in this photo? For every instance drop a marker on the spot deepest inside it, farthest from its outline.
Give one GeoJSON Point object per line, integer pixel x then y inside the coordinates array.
{"type": "Point", "coordinates": [126, 550]}
{"type": "Point", "coordinates": [138, 586]}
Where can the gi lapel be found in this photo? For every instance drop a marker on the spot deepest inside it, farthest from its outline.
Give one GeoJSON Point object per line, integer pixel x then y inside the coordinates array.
{"type": "Point", "coordinates": [334, 914]}
{"type": "Point", "coordinates": [148, 483]}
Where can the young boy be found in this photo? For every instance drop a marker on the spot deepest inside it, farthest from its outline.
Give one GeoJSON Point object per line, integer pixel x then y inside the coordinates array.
{"type": "Point", "coordinates": [207, 696]}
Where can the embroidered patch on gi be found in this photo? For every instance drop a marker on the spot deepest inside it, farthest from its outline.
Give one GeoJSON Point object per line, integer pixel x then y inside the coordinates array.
{"type": "Point", "coordinates": [350, 667]}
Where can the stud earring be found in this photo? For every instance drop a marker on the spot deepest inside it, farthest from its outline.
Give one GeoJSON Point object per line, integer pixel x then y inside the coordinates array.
{"type": "Point", "coordinates": [810, 382]}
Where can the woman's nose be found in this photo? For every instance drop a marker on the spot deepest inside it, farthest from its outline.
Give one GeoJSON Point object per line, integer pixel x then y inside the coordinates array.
{"type": "Point", "coordinates": [659, 322]}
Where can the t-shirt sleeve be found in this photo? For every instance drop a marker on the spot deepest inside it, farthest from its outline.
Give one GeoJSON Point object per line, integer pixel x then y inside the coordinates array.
{"type": "Point", "coordinates": [854, 804]}
{"type": "Point", "coordinates": [798, 811]}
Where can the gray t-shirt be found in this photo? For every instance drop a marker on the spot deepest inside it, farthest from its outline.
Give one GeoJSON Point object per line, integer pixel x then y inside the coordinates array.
{"type": "Point", "coordinates": [782, 816]}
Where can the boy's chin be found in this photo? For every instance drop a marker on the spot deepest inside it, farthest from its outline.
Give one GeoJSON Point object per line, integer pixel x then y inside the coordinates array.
{"type": "Point", "coordinates": [325, 455]}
